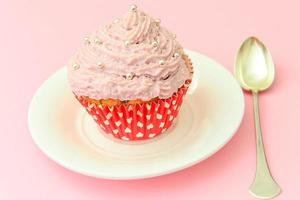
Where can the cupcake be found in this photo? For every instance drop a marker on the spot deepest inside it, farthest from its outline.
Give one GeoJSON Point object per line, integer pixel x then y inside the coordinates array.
{"type": "Point", "coordinates": [131, 76]}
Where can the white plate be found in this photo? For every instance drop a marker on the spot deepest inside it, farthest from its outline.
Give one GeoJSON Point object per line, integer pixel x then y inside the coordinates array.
{"type": "Point", "coordinates": [211, 114]}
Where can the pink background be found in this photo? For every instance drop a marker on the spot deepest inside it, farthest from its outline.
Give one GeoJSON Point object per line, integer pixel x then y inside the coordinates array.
{"type": "Point", "coordinates": [37, 38]}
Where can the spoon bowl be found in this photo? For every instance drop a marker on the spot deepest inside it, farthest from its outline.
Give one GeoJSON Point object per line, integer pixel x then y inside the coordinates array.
{"type": "Point", "coordinates": [254, 67]}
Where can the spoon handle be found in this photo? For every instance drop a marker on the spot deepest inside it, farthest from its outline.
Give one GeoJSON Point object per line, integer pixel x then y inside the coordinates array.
{"type": "Point", "coordinates": [263, 186]}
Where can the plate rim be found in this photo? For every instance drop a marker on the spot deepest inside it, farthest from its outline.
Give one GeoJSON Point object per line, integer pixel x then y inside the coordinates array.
{"type": "Point", "coordinates": [191, 162]}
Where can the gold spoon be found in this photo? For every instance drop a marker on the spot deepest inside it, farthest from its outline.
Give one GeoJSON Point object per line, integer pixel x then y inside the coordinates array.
{"type": "Point", "coordinates": [254, 69]}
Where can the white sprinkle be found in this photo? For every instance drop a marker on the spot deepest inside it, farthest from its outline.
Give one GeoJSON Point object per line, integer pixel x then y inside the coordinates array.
{"type": "Point", "coordinates": [116, 21]}
{"type": "Point", "coordinates": [129, 76]}
{"type": "Point", "coordinates": [157, 21]}
{"type": "Point", "coordinates": [100, 64]}
{"type": "Point", "coordinates": [133, 7]}
{"type": "Point", "coordinates": [127, 43]}
{"type": "Point", "coordinates": [76, 66]}
{"type": "Point", "coordinates": [154, 43]}
{"type": "Point", "coordinates": [176, 55]}
{"type": "Point", "coordinates": [161, 62]}
{"type": "Point", "coordinates": [87, 40]}
{"type": "Point", "coordinates": [97, 41]}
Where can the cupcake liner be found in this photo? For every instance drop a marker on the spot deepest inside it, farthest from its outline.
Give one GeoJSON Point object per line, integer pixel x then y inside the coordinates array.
{"type": "Point", "coordinates": [139, 121]}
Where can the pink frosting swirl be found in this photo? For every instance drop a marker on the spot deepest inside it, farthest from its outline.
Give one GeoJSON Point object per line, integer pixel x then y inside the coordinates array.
{"type": "Point", "coordinates": [132, 58]}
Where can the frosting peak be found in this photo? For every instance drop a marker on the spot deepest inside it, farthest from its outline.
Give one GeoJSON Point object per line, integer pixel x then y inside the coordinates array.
{"type": "Point", "coordinates": [132, 58]}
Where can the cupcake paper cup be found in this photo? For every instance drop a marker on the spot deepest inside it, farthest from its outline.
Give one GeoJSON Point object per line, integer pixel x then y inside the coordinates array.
{"type": "Point", "coordinates": [137, 122]}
